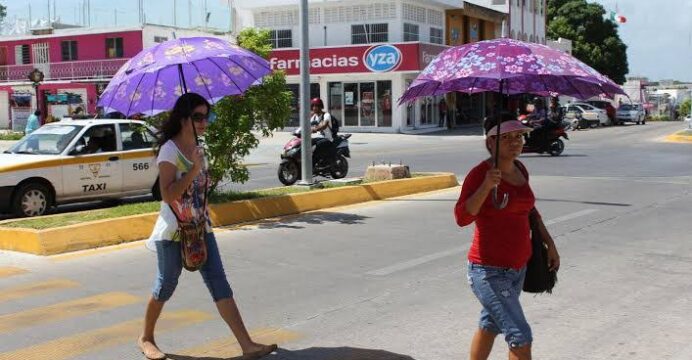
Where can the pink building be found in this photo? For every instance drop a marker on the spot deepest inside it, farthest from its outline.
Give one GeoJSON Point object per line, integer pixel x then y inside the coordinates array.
{"type": "Point", "coordinates": [77, 64]}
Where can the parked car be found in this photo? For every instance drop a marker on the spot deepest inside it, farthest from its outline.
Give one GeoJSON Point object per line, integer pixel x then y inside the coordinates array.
{"type": "Point", "coordinates": [77, 160]}
{"type": "Point", "coordinates": [590, 114]}
{"type": "Point", "coordinates": [607, 106]}
{"type": "Point", "coordinates": [631, 113]}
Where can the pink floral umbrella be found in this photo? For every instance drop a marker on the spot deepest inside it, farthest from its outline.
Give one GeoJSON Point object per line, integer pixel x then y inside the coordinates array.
{"type": "Point", "coordinates": [509, 67]}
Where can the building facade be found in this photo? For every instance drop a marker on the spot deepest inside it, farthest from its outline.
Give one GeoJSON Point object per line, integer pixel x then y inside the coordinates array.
{"type": "Point", "coordinates": [364, 54]}
{"type": "Point", "coordinates": [77, 64]}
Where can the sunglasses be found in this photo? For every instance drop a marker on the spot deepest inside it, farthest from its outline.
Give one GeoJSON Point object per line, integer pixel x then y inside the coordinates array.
{"type": "Point", "coordinates": [199, 117]}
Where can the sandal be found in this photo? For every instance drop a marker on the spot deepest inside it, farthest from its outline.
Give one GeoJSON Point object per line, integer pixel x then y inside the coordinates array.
{"type": "Point", "coordinates": [150, 350]}
{"type": "Point", "coordinates": [255, 355]}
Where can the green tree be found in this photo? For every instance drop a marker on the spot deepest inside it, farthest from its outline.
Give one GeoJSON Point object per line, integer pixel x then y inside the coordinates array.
{"type": "Point", "coordinates": [685, 108]}
{"type": "Point", "coordinates": [3, 12]}
{"type": "Point", "coordinates": [242, 120]}
{"type": "Point", "coordinates": [595, 40]}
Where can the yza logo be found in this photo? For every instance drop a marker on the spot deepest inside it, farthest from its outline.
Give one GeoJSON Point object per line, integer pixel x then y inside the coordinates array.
{"type": "Point", "coordinates": [382, 58]}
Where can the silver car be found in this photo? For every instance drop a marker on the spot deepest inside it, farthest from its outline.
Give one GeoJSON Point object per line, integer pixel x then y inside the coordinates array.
{"type": "Point", "coordinates": [631, 113]}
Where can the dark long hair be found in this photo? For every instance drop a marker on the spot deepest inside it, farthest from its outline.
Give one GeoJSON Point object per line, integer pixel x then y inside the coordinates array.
{"type": "Point", "coordinates": [183, 109]}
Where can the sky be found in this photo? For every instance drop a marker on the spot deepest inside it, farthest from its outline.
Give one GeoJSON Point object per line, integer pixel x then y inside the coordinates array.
{"type": "Point", "coordinates": [658, 33]}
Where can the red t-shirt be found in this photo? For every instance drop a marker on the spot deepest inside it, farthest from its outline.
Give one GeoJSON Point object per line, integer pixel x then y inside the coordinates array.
{"type": "Point", "coordinates": [502, 237]}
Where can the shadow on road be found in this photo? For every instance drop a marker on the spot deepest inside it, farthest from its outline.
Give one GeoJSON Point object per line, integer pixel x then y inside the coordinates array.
{"type": "Point", "coordinates": [314, 218]}
{"type": "Point", "coordinates": [315, 353]}
{"type": "Point", "coordinates": [585, 202]}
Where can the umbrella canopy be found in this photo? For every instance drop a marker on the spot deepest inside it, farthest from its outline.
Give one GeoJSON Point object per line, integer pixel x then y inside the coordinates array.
{"type": "Point", "coordinates": [518, 66]}
{"type": "Point", "coordinates": [152, 81]}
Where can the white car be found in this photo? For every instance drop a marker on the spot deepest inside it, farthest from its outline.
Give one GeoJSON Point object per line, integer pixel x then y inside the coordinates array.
{"type": "Point", "coordinates": [77, 160]}
{"type": "Point", "coordinates": [588, 113]}
{"type": "Point", "coordinates": [631, 113]}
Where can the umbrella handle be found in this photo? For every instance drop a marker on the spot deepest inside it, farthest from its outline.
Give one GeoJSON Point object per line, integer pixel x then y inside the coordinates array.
{"type": "Point", "coordinates": [499, 204]}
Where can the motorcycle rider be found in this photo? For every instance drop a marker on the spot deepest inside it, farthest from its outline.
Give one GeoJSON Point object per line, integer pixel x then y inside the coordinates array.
{"type": "Point", "coordinates": [322, 121]}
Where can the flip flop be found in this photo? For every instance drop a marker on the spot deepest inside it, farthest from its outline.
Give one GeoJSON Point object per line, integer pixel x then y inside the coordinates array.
{"type": "Point", "coordinates": [150, 352]}
{"type": "Point", "coordinates": [266, 350]}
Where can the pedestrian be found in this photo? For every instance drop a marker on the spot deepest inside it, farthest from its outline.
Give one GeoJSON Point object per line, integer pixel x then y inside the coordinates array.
{"type": "Point", "coordinates": [32, 123]}
{"type": "Point", "coordinates": [184, 179]}
{"type": "Point", "coordinates": [501, 244]}
{"type": "Point", "coordinates": [442, 107]}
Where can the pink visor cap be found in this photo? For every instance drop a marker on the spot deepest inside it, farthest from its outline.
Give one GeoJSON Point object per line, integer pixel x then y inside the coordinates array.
{"type": "Point", "coordinates": [509, 126]}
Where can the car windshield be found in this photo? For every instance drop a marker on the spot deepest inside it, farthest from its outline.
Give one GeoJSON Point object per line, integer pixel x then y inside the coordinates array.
{"type": "Point", "coordinates": [47, 140]}
{"type": "Point", "coordinates": [625, 107]}
{"type": "Point", "coordinates": [599, 105]}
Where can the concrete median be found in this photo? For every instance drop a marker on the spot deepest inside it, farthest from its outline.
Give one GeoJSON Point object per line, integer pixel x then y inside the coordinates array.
{"type": "Point", "coordinates": [101, 233]}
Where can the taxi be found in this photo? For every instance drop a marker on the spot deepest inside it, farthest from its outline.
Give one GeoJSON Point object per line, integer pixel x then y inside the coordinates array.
{"type": "Point", "coordinates": [78, 160]}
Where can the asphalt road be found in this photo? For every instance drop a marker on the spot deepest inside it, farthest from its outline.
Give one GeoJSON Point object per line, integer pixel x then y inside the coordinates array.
{"type": "Point", "coordinates": [386, 280]}
{"type": "Point", "coordinates": [456, 151]}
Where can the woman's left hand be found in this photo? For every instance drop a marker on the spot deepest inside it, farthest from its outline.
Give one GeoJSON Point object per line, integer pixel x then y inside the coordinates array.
{"type": "Point", "coordinates": [553, 258]}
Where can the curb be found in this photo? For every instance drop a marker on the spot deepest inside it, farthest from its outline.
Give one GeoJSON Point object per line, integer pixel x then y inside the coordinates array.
{"type": "Point", "coordinates": [684, 137]}
{"type": "Point", "coordinates": [107, 232]}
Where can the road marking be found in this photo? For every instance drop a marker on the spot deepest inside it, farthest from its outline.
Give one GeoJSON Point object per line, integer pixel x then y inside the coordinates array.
{"type": "Point", "coordinates": [228, 347]}
{"type": "Point", "coordinates": [570, 216]}
{"type": "Point", "coordinates": [22, 291]}
{"type": "Point", "coordinates": [415, 262]}
{"type": "Point", "coordinates": [405, 265]}
{"type": "Point", "coordinates": [91, 341]}
{"type": "Point", "coordinates": [78, 307]}
{"type": "Point", "coordinates": [10, 271]}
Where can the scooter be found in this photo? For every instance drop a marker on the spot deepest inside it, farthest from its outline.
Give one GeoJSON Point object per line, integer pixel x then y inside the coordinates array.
{"type": "Point", "coordinates": [548, 142]}
{"type": "Point", "coordinates": [290, 168]}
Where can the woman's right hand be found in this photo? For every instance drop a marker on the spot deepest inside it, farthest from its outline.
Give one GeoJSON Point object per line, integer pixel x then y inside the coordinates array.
{"type": "Point", "coordinates": [492, 178]}
{"type": "Point", "coordinates": [197, 160]}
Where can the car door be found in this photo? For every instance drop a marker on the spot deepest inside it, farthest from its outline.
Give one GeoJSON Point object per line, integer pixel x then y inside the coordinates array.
{"type": "Point", "coordinates": [93, 168]}
{"type": "Point", "coordinates": [138, 161]}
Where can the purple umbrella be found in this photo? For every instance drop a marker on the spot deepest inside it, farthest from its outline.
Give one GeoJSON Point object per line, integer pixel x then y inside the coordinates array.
{"type": "Point", "coordinates": [509, 66]}
{"type": "Point", "coordinates": [152, 81]}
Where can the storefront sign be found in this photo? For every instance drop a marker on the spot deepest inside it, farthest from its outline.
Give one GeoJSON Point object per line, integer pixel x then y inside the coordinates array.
{"type": "Point", "coordinates": [382, 58]}
{"type": "Point", "coordinates": [358, 59]}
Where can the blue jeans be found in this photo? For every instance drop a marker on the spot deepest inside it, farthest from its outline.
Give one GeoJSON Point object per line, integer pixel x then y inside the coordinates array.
{"type": "Point", "coordinates": [498, 290]}
{"type": "Point", "coordinates": [170, 265]}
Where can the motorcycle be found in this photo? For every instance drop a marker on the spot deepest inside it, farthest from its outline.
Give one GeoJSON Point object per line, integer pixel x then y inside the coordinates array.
{"type": "Point", "coordinates": [548, 142]}
{"type": "Point", "coordinates": [290, 168]}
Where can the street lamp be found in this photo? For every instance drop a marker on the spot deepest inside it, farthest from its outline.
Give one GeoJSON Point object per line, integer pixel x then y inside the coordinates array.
{"type": "Point", "coordinates": [36, 76]}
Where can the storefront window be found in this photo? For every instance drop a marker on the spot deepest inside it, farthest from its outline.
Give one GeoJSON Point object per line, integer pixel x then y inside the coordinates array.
{"type": "Point", "coordinates": [384, 103]}
{"type": "Point", "coordinates": [362, 104]}
{"type": "Point", "coordinates": [295, 108]}
{"type": "Point", "coordinates": [351, 104]}
{"type": "Point", "coordinates": [367, 104]}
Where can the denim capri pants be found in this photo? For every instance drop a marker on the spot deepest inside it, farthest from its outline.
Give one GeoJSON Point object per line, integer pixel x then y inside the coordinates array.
{"type": "Point", "coordinates": [170, 265]}
{"type": "Point", "coordinates": [498, 290]}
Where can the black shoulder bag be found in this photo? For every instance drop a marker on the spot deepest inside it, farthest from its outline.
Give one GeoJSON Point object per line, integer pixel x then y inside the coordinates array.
{"type": "Point", "coordinates": [539, 278]}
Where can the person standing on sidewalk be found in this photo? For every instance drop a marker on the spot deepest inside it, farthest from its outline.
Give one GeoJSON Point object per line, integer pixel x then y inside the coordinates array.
{"type": "Point", "coordinates": [501, 244]}
{"type": "Point", "coordinates": [33, 122]}
{"type": "Point", "coordinates": [183, 177]}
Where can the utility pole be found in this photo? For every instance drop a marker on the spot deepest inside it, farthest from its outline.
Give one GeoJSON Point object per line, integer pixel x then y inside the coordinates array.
{"type": "Point", "coordinates": [189, 13]}
{"type": "Point", "coordinates": [175, 14]}
{"type": "Point", "coordinates": [30, 16]}
{"type": "Point", "coordinates": [48, 3]}
{"type": "Point", "coordinates": [306, 144]}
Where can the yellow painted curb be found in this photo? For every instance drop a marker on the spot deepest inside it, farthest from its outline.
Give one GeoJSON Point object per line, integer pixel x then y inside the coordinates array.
{"type": "Point", "coordinates": [684, 136]}
{"type": "Point", "coordinates": [136, 227]}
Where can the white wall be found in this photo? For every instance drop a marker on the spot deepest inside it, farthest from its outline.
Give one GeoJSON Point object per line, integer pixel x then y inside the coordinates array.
{"type": "Point", "coordinates": [151, 31]}
{"type": "Point", "coordinates": [339, 32]}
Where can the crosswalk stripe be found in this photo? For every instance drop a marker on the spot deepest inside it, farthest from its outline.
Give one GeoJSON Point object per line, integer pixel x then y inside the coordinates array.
{"type": "Point", "coordinates": [228, 347]}
{"type": "Point", "coordinates": [78, 307]}
{"type": "Point", "coordinates": [6, 271]}
{"type": "Point", "coordinates": [31, 289]}
{"type": "Point", "coordinates": [91, 341]}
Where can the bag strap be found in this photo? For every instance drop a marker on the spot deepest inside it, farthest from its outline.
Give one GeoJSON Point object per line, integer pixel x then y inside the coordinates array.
{"type": "Point", "coordinates": [522, 168]}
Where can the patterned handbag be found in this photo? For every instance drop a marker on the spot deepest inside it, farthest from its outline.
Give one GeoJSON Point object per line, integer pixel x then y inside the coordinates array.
{"type": "Point", "coordinates": [193, 240]}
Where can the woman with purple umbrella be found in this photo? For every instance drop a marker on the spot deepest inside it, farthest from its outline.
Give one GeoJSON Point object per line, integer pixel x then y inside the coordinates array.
{"type": "Point", "coordinates": [184, 182]}
{"type": "Point", "coordinates": [501, 244]}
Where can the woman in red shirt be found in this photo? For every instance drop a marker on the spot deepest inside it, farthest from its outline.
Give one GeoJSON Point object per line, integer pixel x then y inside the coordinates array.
{"type": "Point", "coordinates": [501, 243]}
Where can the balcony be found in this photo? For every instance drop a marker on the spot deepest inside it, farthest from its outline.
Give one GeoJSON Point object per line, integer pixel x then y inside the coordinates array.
{"type": "Point", "coordinates": [68, 70]}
